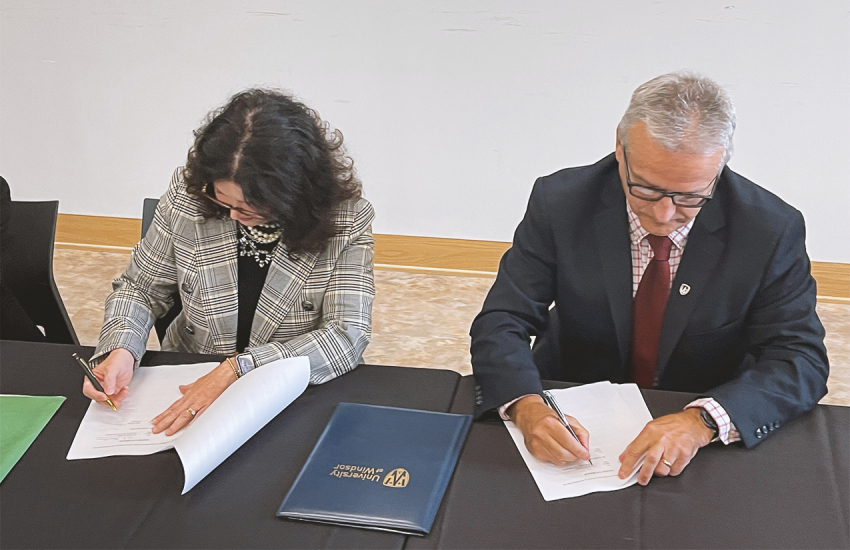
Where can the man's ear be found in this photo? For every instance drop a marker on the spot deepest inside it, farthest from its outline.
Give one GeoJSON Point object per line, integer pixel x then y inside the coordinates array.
{"type": "Point", "coordinates": [618, 147]}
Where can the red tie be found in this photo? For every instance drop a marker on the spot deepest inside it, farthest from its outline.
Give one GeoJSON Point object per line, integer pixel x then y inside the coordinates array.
{"type": "Point", "coordinates": [650, 301]}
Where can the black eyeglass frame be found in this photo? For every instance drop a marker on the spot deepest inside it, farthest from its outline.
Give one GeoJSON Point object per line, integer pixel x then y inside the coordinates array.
{"type": "Point", "coordinates": [226, 206]}
{"type": "Point", "coordinates": [673, 195]}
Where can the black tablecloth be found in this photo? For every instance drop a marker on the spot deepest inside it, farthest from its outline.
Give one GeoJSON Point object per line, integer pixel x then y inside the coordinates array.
{"type": "Point", "coordinates": [791, 491]}
{"type": "Point", "coordinates": [47, 501]}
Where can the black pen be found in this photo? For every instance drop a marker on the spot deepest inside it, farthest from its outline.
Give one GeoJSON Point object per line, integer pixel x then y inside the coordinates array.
{"type": "Point", "coordinates": [90, 375]}
{"type": "Point", "coordinates": [550, 401]}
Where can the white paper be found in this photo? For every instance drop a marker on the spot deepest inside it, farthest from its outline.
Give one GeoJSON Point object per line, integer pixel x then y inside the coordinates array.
{"type": "Point", "coordinates": [614, 414]}
{"type": "Point", "coordinates": [245, 406]}
{"type": "Point", "coordinates": [104, 432]}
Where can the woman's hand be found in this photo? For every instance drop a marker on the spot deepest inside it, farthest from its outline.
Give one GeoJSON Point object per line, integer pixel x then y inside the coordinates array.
{"type": "Point", "coordinates": [114, 374]}
{"type": "Point", "coordinates": [196, 396]}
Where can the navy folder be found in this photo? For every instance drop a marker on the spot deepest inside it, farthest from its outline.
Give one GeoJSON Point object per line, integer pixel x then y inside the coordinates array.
{"type": "Point", "coordinates": [378, 468]}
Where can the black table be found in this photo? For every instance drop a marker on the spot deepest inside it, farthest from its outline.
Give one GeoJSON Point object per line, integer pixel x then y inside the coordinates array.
{"type": "Point", "coordinates": [47, 501]}
{"type": "Point", "coordinates": [791, 491]}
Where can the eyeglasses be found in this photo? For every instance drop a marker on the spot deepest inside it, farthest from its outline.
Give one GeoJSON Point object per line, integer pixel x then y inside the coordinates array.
{"type": "Point", "coordinates": [654, 194]}
{"type": "Point", "coordinates": [247, 213]}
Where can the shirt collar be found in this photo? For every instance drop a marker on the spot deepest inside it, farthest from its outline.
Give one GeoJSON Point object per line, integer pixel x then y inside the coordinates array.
{"type": "Point", "coordinates": [637, 233]}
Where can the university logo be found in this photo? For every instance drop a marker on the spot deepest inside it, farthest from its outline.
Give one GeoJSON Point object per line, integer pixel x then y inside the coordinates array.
{"type": "Point", "coordinates": [397, 478]}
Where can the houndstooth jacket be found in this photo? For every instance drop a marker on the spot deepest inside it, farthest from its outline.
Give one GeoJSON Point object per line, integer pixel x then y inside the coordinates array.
{"type": "Point", "coordinates": [317, 305]}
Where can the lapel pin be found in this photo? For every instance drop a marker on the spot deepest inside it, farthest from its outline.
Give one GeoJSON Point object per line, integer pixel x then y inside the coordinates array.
{"type": "Point", "coordinates": [684, 289]}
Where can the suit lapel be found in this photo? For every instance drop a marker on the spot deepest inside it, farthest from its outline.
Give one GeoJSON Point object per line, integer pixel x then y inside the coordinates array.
{"type": "Point", "coordinates": [702, 253]}
{"type": "Point", "coordinates": [611, 228]}
{"type": "Point", "coordinates": [216, 250]}
{"type": "Point", "coordinates": [286, 277]}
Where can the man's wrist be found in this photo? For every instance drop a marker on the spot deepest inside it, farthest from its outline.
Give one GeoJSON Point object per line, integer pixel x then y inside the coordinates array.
{"type": "Point", "coordinates": [706, 434]}
{"type": "Point", "coordinates": [516, 407]}
{"type": "Point", "coordinates": [726, 431]}
{"type": "Point", "coordinates": [709, 422]}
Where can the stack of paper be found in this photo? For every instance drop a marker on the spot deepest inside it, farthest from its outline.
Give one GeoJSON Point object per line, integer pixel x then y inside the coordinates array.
{"type": "Point", "coordinates": [614, 414]}
{"type": "Point", "coordinates": [245, 406]}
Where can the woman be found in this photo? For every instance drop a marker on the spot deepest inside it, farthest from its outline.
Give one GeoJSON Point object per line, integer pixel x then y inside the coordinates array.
{"type": "Point", "coordinates": [268, 242]}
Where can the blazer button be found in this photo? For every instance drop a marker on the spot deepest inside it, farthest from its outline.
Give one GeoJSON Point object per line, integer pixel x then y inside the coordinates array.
{"type": "Point", "coordinates": [189, 329]}
{"type": "Point", "coordinates": [186, 288]}
{"type": "Point", "coordinates": [776, 425]}
{"type": "Point", "coordinates": [307, 305]}
{"type": "Point", "coordinates": [765, 429]}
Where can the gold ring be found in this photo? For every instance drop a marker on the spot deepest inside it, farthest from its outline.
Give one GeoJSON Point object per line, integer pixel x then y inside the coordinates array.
{"type": "Point", "coordinates": [191, 411]}
{"type": "Point", "coordinates": [667, 463]}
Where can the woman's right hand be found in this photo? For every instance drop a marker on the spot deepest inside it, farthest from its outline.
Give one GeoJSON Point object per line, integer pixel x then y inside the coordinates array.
{"type": "Point", "coordinates": [114, 374]}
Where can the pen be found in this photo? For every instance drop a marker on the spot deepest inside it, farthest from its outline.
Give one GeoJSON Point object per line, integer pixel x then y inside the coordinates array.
{"type": "Point", "coordinates": [90, 375]}
{"type": "Point", "coordinates": [550, 401]}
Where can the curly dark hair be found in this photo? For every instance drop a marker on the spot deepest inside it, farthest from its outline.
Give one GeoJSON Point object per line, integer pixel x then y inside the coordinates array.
{"type": "Point", "coordinates": [292, 168]}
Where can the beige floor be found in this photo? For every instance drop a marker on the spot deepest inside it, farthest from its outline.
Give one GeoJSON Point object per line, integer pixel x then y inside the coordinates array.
{"type": "Point", "coordinates": [418, 320]}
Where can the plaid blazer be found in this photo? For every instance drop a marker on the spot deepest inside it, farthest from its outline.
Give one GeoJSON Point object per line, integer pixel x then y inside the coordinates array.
{"type": "Point", "coordinates": [317, 305]}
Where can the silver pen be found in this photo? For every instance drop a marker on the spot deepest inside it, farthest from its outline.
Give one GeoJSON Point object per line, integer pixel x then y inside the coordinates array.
{"type": "Point", "coordinates": [553, 404]}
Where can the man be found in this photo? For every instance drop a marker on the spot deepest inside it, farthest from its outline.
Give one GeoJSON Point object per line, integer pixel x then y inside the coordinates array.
{"type": "Point", "coordinates": [665, 268]}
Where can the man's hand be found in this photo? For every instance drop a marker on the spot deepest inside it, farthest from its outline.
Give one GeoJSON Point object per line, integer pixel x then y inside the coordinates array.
{"type": "Point", "coordinates": [674, 438]}
{"type": "Point", "coordinates": [545, 437]}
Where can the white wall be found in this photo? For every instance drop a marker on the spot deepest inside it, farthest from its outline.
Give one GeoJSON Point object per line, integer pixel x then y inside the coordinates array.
{"type": "Point", "coordinates": [450, 108]}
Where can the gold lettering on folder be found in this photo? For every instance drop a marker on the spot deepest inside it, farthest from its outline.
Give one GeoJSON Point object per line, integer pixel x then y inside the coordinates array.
{"type": "Point", "coordinates": [357, 472]}
{"type": "Point", "coordinates": [397, 478]}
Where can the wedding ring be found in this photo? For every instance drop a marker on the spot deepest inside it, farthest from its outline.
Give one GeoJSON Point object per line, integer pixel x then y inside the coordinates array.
{"type": "Point", "coordinates": [191, 411]}
{"type": "Point", "coordinates": [667, 463]}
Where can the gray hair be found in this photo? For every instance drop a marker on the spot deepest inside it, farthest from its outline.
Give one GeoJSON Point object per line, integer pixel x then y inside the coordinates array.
{"type": "Point", "coordinates": [683, 111]}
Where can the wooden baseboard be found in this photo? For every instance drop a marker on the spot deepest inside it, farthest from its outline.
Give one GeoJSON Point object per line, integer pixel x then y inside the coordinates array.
{"type": "Point", "coordinates": [833, 280]}
{"type": "Point", "coordinates": [394, 252]}
{"type": "Point", "coordinates": [430, 252]}
{"type": "Point", "coordinates": [98, 230]}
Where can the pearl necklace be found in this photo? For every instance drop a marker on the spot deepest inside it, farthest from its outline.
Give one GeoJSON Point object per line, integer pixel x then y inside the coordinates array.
{"type": "Point", "coordinates": [249, 237]}
{"type": "Point", "coordinates": [261, 237]}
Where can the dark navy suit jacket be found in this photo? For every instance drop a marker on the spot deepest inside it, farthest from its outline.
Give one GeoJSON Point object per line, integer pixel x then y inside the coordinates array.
{"type": "Point", "coordinates": [746, 333]}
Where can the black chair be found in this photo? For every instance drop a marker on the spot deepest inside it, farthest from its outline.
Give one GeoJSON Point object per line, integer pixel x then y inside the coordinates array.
{"type": "Point", "coordinates": [148, 209]}
{"type": "Point", "coordinates": [161, 324]}
{"type": "Point", "coordinates": [28, 268]}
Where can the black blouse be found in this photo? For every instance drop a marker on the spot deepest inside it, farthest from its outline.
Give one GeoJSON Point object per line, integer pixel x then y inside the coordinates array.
{"type": "Point", "coordinates": [251, 279]}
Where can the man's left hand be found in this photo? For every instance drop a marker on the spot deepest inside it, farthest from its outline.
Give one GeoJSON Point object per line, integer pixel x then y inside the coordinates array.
{"type": "Point", "coordinates": [669, 442]}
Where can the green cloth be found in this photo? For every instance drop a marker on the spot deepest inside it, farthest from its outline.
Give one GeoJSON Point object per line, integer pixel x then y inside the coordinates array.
{"type": "Point", "coordinates": [22, 417]}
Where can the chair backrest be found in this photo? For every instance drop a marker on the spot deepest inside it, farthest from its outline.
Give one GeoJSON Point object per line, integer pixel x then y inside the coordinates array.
{"type": "Point", "coordinates": [161, 324]}
{"type": "Point", "coordinates": [28, 268]}
{"type": "Point", "coordinates": [148, 208]}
